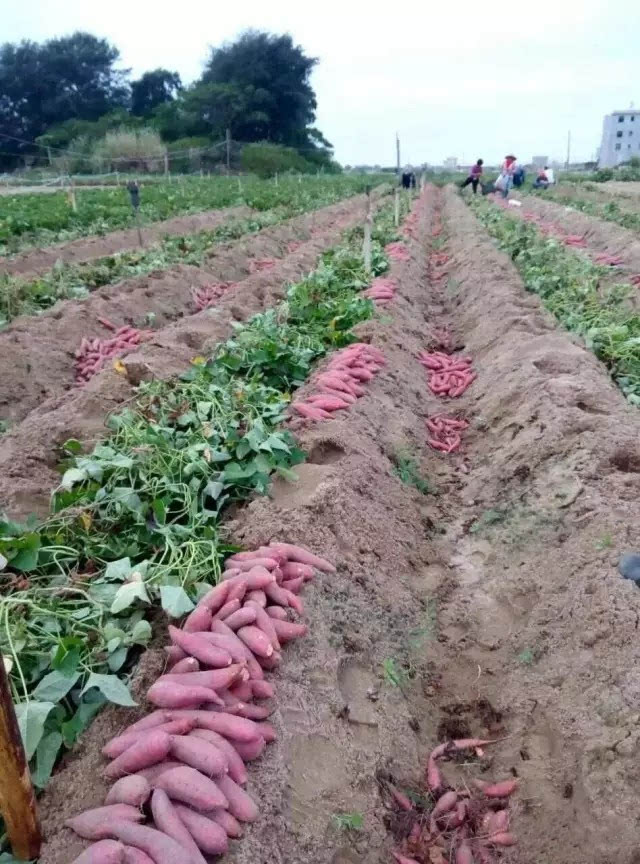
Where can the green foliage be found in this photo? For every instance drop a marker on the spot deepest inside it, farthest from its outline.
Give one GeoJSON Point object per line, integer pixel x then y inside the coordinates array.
{"type": "Point", "coordinates": [266, 159]}
{"type": "Point", "coordinates": [569, 286]}
{"type": "Point", "coordinates": [126, 149]}
{"type": "Point", "coordinates": [152, 89]}
{"type": "Point", "coordinates": [348, 821]}
{"type": "Point", "coordinates": [408, 470]}
{"type": "Point", "coordinates": [135, 523]}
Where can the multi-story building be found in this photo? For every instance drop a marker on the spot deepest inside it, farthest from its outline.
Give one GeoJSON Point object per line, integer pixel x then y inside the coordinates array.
{"type": "Point", "coordinates": [620, 138]}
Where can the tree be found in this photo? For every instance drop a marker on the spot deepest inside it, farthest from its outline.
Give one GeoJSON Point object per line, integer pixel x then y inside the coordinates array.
{"type": "Point", "coordinates": [273, 75]}
{"type": "Point", "coordinates": [152, 89]}
{"type": "Point", "coordinates": [61, 79]}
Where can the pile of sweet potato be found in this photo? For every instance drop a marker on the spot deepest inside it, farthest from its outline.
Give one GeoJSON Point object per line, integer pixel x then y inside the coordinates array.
{"type": "Point", "coordinates": [445, 432]}
{"type": "Point", "coordinates": [259, 265]}
{"type": "Point", "coordinates": [94, 353]}
{"type": "Point", "coordinates": [382, 290]}
{"type": "Point", "coordinates": [181, 769]}
{"type": "Point", "coordinates": [208, 295]}
{"type": "Point", "coordinates": [448, 375]}
{"type": "Point", "coordinates": [338, 384]}
{"type": "Point", "coordinates": [460, 825]}
{"type": "Point", "coordinates": [397, 251]}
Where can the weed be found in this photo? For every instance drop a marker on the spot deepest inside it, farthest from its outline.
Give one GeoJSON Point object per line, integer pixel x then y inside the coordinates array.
{"type": "Point", "coordinates": [407, 469]}
{"type": "Point", "coordinates": [489, 517]}
{"type": "Point", "coordinates": [526, 657]}
{"type": "Point", "coordinates": [605, 542]}
{"type": "Point", "coordinates": [348, 821]}
{"type": "Point", "coordinates": [394, 674]}
{"type": "Point", "coordinates": [427, 630]}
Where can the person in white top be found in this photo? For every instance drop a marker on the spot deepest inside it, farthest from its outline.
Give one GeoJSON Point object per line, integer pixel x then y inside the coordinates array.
{"type": "Point", "coordinates": [549, 173]}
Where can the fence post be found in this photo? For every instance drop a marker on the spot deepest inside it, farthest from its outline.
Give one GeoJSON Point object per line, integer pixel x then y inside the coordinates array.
{"type": "Point", "coordinates": [166, 164]}
{"type": "Point", "coordinates": [276, 178]}
{"type": "Point", "coordinates": [239, 184]}
{"type": "Point", "coordinates": [72, 197]}
{"type": "Point", "coordinates": [228, 143]}
{"type": "Point", "coordinates": [17, 799]}
{"type": "Point", "coordinates": [396, 207]}
{"type": "Point", "coordinates": [366, 246]}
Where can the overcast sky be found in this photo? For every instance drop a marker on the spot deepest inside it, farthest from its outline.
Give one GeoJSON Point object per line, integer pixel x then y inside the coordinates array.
{"type": "Point", "coordinates": [454, 79]}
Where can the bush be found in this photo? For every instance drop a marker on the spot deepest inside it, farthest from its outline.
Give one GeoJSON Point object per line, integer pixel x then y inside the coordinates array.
{"type": "Point", "coordinates": [267, 159]}
{"type": "Point", "coordinates": [185, 163]}
{"type": "Point", "coordinates": [603, 175]}
{"type": "Point", "coordinates": [128, 149]}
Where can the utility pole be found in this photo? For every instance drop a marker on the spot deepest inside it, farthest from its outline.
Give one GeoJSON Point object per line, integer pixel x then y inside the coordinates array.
{"type": "Point", "coordinates": [228, 139]}
{"type": "Point", "coordinates": [397, 154]}
{"type": "Point", "coordinates": [568, 149]}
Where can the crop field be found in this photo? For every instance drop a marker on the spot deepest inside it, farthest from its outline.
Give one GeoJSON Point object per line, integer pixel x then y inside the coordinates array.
{"type": "Point", "coordinates": [319, 511]}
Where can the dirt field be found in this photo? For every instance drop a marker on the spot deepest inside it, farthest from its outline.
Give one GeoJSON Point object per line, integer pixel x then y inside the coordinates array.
{"type": "Point", "coordinates": [35, 261]}
{"type": "Point", "coordinates": [498, 594]}
{"type": "Point", "coordinates": [51, 410]}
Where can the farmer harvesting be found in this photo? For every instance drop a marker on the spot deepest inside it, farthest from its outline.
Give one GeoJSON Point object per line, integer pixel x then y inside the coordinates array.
{"type": "Point", "coordinates": [474, 176]}
{"type": "Point", "coordinates": [542, 180]}
{"type": "Point", "coordinates": [505, 180]}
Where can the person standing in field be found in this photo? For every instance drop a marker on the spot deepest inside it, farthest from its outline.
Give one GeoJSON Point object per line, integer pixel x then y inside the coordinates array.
{"type": "Point", "coordinates": [474, 176]}
{"type": "Point", "coordinates": [505, 180]}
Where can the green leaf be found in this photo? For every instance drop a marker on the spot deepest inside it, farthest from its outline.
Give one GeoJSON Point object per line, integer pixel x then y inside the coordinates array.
{"type": "Point", "coordinates": [243, 448]}
{"type": "Point", "coordinates": [111, 687]}
{"type": "Point", "coordinates": [118, 569]}
{"type": "Point", "coordinates": [67, 656]}
{"type": "Point", "coordinates": [287, 474]}
{"type": "Point", "coordinates": [116, 660]}
{"type": "Point", "coordinates": [87, 710]}
{"type": "Point", "coordinates": [175, 601]}
{"type": "Point", "coordinates": [55, 686]}
{"type": "Point", "coordinates": [72, 476]}
{"type": "Point", "coordinates": [73, 446]}
{"type": "Point", "coordinates": [127, 594]}
{"type": "Point", "coordinates": [141, 633]}
{"type": "Point", "coordinates": [26, 559]}
{"type": "Point", "coordinates": [235, 471]}
{"type": "Point", "coordinates": [46, 755]}
{"type": "Point", "coordinates": [31, 719]}
{"type": "Point", "coordinates": [213, 489]}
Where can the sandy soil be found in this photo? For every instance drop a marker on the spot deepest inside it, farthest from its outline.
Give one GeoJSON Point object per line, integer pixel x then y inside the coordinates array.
{"type": "Point", "coordinates": [622, 188]}
{"type": "Point", "coordinates": [498, 594]}
{"type": "Point", "coordinates": [35, 261]}
{"type": "Point", "coordinates": [37, 352]}
{"type": "Point", "coordinates": [29, 451]}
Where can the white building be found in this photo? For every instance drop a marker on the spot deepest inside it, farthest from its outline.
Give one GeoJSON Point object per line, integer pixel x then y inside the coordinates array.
{"type": "Point", "coordinates": [451, 163]}
{"type": "Point", "coordinates": [539, 161]}
{"type": "Point", "coordinates": [620, 138]}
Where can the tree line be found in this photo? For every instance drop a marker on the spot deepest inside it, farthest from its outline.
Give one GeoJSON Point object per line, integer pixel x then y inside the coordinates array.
{"type": "Point", "coordinates": [67, 93]}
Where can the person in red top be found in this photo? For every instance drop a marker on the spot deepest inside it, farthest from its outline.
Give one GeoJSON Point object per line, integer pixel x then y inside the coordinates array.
{"type": "Point", "coordinates": [474, 176]}
{"type": "Point", "coordinates": [505, 180]}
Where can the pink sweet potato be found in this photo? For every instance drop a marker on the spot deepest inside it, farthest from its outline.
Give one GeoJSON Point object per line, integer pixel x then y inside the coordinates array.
{"type": "Point", "coordinates": [169, 694]}
{"type": "Point", "coordinates": [258, 597]}
{"type": "Point", "coordinates": [264, 623]}
{"type": "Point", "coordinates": [118, 745]}
{"type": "Point", "coordinates": [262, 689]}
{"type": "Point", "coordinates": [167, 820]}
{"type": "Point", "coordinates": [174, 654]}
{"type": "Point", "coordinates": [189, 786]}
{"type": "Point", "coordinates": [267, 563]}
{"type": "Point", "coordinates": [201, 755]}
{"type": "Point", "coordinates": [233, 728]}
{"type": "Point", "coordinates": [254, 712]}
{"type": "Point", "coordinates": [237, 591]}
{"type": "Point", "coordinates": [293, 570]}
{"type": "Point", "coordinates": [104, 852]}
{"type": "Point", "coordinates": [242, 690]}
{"type": "Point", "coordinates": [241, 805]}
{"type": "Point", "coordinates": [229, 608]}
{"type": "Point", "coordinates": [303, 556]}
{"type": "Point", "coordinates": [156, 718]}
{"type": "Point", "coordinates": [288, 630]}
{"type": "Point", "coordinates": [236, 647]}
{"type": "Point", "coordinates": [199, 619]}
{"type": "Point", "coordinates": [132, 790]}
{"type": "Point", "coordinates": [161, 848]}
{"type": "Point", "coordinates": [267, 731]}
{"type": "Point", "coordinates": [237, 771]}
{"type": "Point", "coordinates": [189, 664]}
{"type": "Point", "coordinates": [135, 856]}
{"type": "Point", "coordinates": [208, 835]}
{"type": "Point", "coordinates": [293, 585]}
{"type": "Point", "coordinates": [241, 618]}
{"type": "Point", "coordinates": [197, 647]}
{"type": "Point", "coordinates": [152, 773]}
{"type": "Point", "coordinates": [214, 679]}
{"type": "Point", "coordinates": [250, 750]}
{"type": "Point", "coordinates": [215, 598]}
{"type": "Point", "coordinates": [294, 601]}
{"type": "Point", "coordinates": [96, 824]}
{"type": "Point", "coordinates": [226, 821]}
{"type": "Point", "coordinates": [150, 750]}
{"type": "Point", "coordinates": [277, 595]}
{"type": "Point", "coordinates": [256, 641]}
{"type": "Point", "coordinates": [277, 612]}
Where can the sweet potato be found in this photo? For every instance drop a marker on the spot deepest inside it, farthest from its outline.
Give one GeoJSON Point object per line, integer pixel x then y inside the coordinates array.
{"type": "Point", "coordinates": [264, 623]}
{"type": "Point", "coordinates": [188, 785]}
{"type": "Point", "coordinates": [150, 750]}
{"type": "Point", "coordinates": [167, 820]}
{"type": "Point", "coordinates": [236, 592]}
{"type": "Point", "coordinates": [237, 770]}
{"type": "Point", "coordinates": [233, 728]}
{"type": "Point", "coordinates": [167, 693]}
{"type": "Point", "coordinates": [189, 664]}
{"type": "Point", "coordinates": [241, 805]}
{"type": "Point", "coordinates": [152, 773]}
{"type": "Point", "coordinates": [136, 856]}
{"type": "Point", "coordinates": [236, 647]}
{"type": "Point", "coordinates": [277, 612]}
{"type": "Point", "coordinates": [258, 596]}
{"type": "Point", "coordinates": [255, 712]}
{"type": "Point", "coordinates": [294, 601]}
{"type": "Point", "coordinates": [277, 595]}
{"type": "Point", "coordinates": [267, 731]}
{"type": "Point", "coordinates": [207, 834]}
{"type": "Point", "coordinates": [288, 630]}
{"type": "Point", "coordinates": [96, 824]}
{"type": "Point", "coordinates": [199, 648]}
{"type": "Point", "coordinates": [216, 597]}
{"type": "Point", "coordinates": [293, 585]}
{"type": "Point", "coordinates": [155, 718]}
{"type": "Point", "coordinates": [293, 570]}
{"type": "Point", "coordinates": [132, 790]}
{"type": "Point", "coordinates": [497, 790]}
{"type": "Point", "coordinates": [262, 689]}
{"type": "Point", "coordinates": [246, 565]}
{"type": "Point", "coordinates": [201, 755]}
{"type": "Point", "coordinates": [256, 641]}
{"type": "Point", "coordinates": [161, 848]}
{"type": "Point", "coordinates": [229, 608]}
{"type": "Point", "coordinates": [199, 619]}
{"type": "Point", "coordinates": [104, 852]}
{"type": "Point", "coordinates": [214, 679]}
{"type": "Point", "coordinates": [174, 654]}
{"type": "Point", "coordinates": [249, 750]}
{"type": "Point", "coordinates": [241, 618]}
{"type": "Point", "coordinates": [226, 821]}
{"type": "Point", "coordinates": [241, 690]}
{"type": "Point", "coordinates": [303, 556]}
{"type": "Point", "coordinates": [118, 745]}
